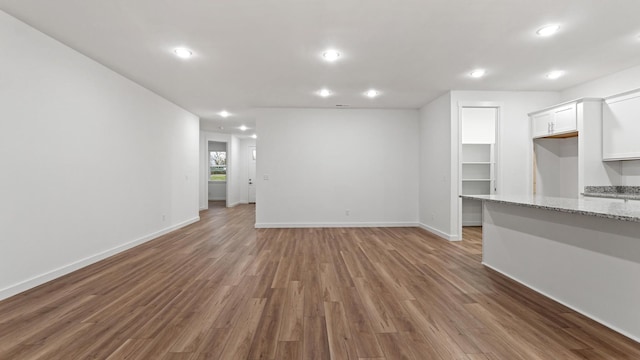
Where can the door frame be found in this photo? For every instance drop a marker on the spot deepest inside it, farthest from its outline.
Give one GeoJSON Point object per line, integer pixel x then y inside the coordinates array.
{"type": "Point", "coordinates": [255, 183]}
{"type": "Point", "coordinates": [226, 187]}
{"type": "Point", "coordinates": [496, 150]}
{"type": "Point", "coordinates": [205, 137]}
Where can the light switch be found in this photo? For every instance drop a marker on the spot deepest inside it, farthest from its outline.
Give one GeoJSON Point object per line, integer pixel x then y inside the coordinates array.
{"type": "Point", "coordinates": [265, 177]}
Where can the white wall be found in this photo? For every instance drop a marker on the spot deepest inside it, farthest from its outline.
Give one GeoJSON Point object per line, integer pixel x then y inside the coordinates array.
{"type": "Point", "coordinates": [92, 163]}
{"type": "Point", "coordinates": [612, 84]}
{"type": "Point", "coordinates": [216, 190]}
{"type": "Point", "coordinates": [557, 167]}
{"type": "Point", "coordinates": [435, 166]}
{"type": "Point", "coordinates": [322, 162]}
{"type": "Point", "coordinates": [217, 146]}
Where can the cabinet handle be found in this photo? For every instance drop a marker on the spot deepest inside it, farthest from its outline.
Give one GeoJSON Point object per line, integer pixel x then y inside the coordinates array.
{"type": "Point", "coordinates": [552, 126]}
{"type": "Point", "coordinates": [548, 127]}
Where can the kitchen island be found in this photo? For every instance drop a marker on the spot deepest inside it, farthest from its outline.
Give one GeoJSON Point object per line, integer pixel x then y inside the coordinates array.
{"type": "Point", "coordinates": [583, 253]}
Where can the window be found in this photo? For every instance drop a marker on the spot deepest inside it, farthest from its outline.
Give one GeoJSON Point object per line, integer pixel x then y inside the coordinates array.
{"type": "Point", "coordinates": [217, 165]}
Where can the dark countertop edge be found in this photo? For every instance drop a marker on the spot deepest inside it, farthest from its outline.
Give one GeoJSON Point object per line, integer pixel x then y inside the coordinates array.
{"type": "Point", "coordinates": [559, 209]}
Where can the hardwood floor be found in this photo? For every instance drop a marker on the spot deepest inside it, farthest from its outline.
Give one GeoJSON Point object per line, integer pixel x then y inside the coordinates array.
{"type": "Point", "coordinates": [219, 289]}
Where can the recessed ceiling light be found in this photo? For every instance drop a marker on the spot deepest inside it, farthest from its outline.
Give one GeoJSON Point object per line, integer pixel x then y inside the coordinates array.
{"type": "Point", "coordinates": [243, 128]}
{"type": "Point", "coordinates": [254, 136]}
{"type": "Point", "coordinates": [371, 93]}
{"type": "Point", "coordinates": [325, 92]}
{"type": "Point", "coordinates": [183, 53]}
{"type": "Point", "coordinates": [224, 113]}
{"type": "Point", "coordinates": [555, 74]}
{"type": "Point", "coordinates": [548, 30]}
{"type": "Point", "coordinates": [478, 73]}
{"type": "Point", "coordinates": [331, 55]}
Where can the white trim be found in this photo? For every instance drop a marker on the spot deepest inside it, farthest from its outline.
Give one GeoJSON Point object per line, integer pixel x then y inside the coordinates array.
{"type": "Point", "coordinates": [203, 209]}
{"type": "Point", "coordinates": [217, 199]}
{"type": "Point", "coordinates": [234, 204]}
{"type": "Point", "coordinates": [333, 225]}
{"type": "Point", "coordinates": [623, 96]}
{"type": "Point", "coordinates": [576, 101]}
{"type": "Point", "coordinates": [594, 318]}
{"type": "Point", "coordinates": [438, 233]}
{"type": "Point", "coordinates": [66, 269]}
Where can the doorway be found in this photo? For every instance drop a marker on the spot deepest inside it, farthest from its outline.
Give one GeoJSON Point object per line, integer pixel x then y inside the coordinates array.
{"type": "Point", "coordinates": [252, 174]}
{"type": "Point", "coordinates": [217, 176]}
{"type": "Point", "coordinates": [478, 166]}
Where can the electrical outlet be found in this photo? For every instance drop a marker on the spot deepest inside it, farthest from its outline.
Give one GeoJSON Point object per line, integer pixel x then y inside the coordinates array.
{"type": "Point", "coordinates": [164, 217]}
{"type": "Point", "coordinates": [347, 212]}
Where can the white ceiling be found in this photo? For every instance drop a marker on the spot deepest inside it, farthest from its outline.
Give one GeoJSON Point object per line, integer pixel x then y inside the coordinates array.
{"type": "Point", "coordinates": [267, 53]}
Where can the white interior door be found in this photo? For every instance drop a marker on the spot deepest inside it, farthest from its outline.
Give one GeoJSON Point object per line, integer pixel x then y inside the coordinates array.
{"type": "Point", "coordinates": [252, 174]}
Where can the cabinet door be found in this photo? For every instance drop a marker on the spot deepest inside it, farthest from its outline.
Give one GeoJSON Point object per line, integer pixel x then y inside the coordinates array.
{"type": "Point", "coordinates": [620, 127]}
{"type": "Point", "coordinates": [564, 119]}
{"type": "Point", "coordinates": [541, 124]}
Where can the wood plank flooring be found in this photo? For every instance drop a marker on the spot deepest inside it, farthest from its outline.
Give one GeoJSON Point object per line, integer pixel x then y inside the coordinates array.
{"type": "Point", "coordinates": [219, 289]}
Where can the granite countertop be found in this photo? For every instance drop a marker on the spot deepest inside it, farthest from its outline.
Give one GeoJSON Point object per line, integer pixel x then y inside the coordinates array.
{"type": "Point", "coordinates": [614, 192]}
{"type": "Point", "coordinates": [625, 211]}
{"type": "Point", "coordinates": [613, 196]}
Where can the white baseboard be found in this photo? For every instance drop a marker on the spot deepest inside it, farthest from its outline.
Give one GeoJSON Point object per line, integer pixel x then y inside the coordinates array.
{"type": "Point", "coordinates": [217, 199]}
{"type": "Point", "coordinates": [56, 273]}
{"type": "Point", "coordinates": [472, 223]}
{"type": "Point", "coordinates": [442, 234]}
{"type": "Point", "coordinates": [594, 318]}
{"type": "Point", "coordinates": [230, 205]}
{"type": "Point", "coordinates": [333, 225]}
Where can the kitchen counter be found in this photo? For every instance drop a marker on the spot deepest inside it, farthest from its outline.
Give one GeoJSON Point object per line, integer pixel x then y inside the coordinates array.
{"type": "Point", "coordinates": [613, 192]}
{"type": "Point", "coordinates": [583, 253]}
{"type": "Point", "coordinates": [625, 211]}
{"type": "Point", "coordinates": [613, 196]}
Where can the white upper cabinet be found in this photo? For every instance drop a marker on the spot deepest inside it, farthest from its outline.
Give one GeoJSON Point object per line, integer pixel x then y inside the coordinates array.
{"type": "Point", "coordinates": [564, 119]}
{"type": "Point", "coordinates": [558, 120]}
{"type": "Point", "coordinates": [621, 127]}
{"type": "Point", "coordinates": [541, 124]}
